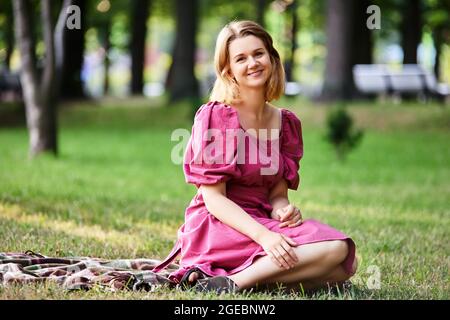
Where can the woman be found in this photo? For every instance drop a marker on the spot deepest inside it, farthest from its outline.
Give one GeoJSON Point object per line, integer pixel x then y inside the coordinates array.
{"type": "Point", "coordinates": [240, 229]}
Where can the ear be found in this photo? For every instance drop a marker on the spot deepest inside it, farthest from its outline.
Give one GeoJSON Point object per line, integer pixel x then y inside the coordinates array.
{"type": "Point", "coordinates": [227, 73]}
{"type": "Point", "coordinates": [231, 76]}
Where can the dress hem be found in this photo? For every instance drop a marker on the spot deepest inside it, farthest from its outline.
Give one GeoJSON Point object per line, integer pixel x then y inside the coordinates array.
{"type": "Point", "coordinates": [347, 263]}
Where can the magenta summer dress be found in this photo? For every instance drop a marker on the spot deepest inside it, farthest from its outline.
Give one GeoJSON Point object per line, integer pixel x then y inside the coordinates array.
{"type": "Point", "coordinates": [203, 240]}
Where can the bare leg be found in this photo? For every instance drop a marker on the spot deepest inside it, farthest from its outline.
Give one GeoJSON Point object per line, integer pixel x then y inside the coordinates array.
{"type": "Point", "coordinates": [316, 260]}
{"type": "Point", "coordinates": [335, 277]}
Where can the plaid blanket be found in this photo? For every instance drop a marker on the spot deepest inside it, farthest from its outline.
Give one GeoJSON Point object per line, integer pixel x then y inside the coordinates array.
{"type": "Point", "coordinates": [74, 273]}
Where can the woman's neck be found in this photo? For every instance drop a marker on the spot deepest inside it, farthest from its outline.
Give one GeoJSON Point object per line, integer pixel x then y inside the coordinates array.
{"type": "Point", "coordinates": [253, 103]}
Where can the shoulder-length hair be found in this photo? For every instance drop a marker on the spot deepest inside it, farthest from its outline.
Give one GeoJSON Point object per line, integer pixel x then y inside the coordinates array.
{"type": "Point", "coordinates": [225, 88]}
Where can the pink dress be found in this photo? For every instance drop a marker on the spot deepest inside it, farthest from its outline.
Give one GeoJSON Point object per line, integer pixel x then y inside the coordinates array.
{"type": "Point", "coordinates": [212, 246]}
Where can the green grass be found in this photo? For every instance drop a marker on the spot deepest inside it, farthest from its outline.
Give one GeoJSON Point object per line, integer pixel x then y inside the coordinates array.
{"type": "Point", "coordinates": [113, 192]}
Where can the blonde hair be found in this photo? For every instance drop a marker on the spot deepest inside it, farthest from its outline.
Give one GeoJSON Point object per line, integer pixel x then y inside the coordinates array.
{"type": "Point", "coordinates": [225, 88]}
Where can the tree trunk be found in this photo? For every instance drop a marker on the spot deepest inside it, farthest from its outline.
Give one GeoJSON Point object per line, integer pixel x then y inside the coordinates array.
{"type": "Point", "coordinates": [40, 95]}
{"type": "Point", "coordinates": [72, 86]}
{"type": "Point", "coordinates": [438, 42]}
{"type": "Point", "coordinates": [411, 30]}
{"type": "Point", "coordinates": [181, 81]}
{"type": "Point", "coordinates": [338, 74]}
{"type": "Point", "coordinates": [261, 6]}
{"type": "Point", "coordinates": [290, 61]}
{"type": "Point", "coordinates": [362, 36]}
{"type": "Point", "coordinates": [362, 53]}
{"type": "Point", "coordinates": [106, 62]}
{"type": "Point", "coordinates": [9, 39]}
{"type": "Point", "coordinates": [48, 96]}
{"type": "Point", "coordinates": [140, 14]}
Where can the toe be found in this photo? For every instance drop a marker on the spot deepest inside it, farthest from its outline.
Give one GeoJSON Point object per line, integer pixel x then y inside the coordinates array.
{"type": "Point", "coordinates": [193, 277]}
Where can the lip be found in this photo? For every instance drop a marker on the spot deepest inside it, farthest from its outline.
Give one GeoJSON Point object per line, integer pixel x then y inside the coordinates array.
{"type": "Point", "coordinates": [255, 73]}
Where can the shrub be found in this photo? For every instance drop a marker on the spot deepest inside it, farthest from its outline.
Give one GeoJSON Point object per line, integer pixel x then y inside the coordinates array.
{"type": "Point", "coordinates": [341, 133]}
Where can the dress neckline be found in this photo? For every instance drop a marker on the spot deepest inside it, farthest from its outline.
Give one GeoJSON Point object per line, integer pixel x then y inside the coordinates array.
{"type": "Point", "coordinates": [281, 122]}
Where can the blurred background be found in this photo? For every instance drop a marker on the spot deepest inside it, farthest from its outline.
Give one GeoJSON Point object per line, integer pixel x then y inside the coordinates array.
{"type": "Point", "coordinates": [157, 47]}
{"type": "Point", "coordinates": [333, 51]}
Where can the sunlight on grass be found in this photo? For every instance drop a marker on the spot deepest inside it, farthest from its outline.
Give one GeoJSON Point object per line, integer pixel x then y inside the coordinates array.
{"type": "Point", "coordinates": [130, 242]}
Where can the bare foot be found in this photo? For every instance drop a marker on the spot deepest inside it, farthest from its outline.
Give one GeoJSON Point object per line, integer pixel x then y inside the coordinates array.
{"type": "Point", "coordinates": [193, 277]}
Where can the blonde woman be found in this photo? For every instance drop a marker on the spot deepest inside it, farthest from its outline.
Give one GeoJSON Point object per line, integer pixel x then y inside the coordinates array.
{"type": "Point", "coordinates": [240, 229]}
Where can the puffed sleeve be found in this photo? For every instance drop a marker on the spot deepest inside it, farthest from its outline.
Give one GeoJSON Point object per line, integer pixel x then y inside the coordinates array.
{"type": "Point", "coordinates": [210, 157]}
{"type": "Point", "coordinates": [292, 149]}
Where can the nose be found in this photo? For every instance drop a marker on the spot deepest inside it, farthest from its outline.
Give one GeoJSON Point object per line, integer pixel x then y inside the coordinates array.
{"type": "Point", "coordinates": [252, 62]}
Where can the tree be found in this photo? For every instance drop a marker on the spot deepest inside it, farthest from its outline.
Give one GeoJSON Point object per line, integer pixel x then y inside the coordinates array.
{"type": "Point", "coordinates": [181, 81]}
{"type": "Point", "coordinates": [362, 53]}
{"type": "Point", "coordinates": [40, 90]}
{"type": "Point", "coordinates": [291, 12]}
{"type": "Point", "coordinates": [6, 31]}
{"type": "Point", "coordinates": [362, 35]}
{"type": "Point", "coordinates": [72, 86]}
{"type": "Point", "coordinates": [437, 18]}
{"type": "Point", "coordinates": [346, 25]}
{"type": "Point", "coordinates": [110, 20]}
{"type": "Point", "coordinates": [411, 30]}
{"type": "Point", "coordinates": [140, 14]}
{"type": "Point", "coordinates": [338, 77]}
{"type": "Point", "coordinates": [103, 25]}
{"type": "Point", "coordinates": [261, 7]}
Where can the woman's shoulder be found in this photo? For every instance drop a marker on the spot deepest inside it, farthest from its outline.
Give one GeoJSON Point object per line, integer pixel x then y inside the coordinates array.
{"type": "Point", "coordinates": [217, 114]}
{"type": "Point", "coordinates": [216, 108]}
{"type": "Point", "coordinates": [291, 127]}
{"type": "Point", "coordinates": [288, 117]}
{"type": "Point", "coordinates": [291, 115]}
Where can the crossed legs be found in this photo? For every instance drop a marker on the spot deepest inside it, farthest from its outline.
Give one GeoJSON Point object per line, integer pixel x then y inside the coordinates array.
{"type": "Point", "coordinates": [319, 264]}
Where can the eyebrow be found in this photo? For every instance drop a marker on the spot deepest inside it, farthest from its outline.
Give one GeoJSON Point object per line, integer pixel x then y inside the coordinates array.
{"type": "Point", "coordinates": [241, 54]}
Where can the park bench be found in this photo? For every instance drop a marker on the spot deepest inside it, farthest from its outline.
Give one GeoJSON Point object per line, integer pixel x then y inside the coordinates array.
{"type": "Point", "coordinates": [409, 79]}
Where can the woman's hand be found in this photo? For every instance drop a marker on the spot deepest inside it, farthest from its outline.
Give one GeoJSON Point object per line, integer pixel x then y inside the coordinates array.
{"type": "Point", "coordinates": [279, 248]}
{"type": "Point", "coordinates": [290, 216]}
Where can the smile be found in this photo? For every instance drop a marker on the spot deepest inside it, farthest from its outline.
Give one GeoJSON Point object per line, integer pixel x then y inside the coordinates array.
{"type": "Point", "coordinates": [255, 73]}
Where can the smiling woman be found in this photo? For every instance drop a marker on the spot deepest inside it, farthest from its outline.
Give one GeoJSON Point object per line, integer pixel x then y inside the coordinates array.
{"type": "Point", "coordinates": [240, 58]}
{"type": "Point", "coordinates": [240, 229]}
{"type": "Point", "coordinates": [250, 63]}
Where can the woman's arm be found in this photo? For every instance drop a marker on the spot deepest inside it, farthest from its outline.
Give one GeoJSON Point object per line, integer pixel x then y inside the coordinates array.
{"type": "Point", "coordinates": [276, 245]}
{"type": "Point", "coordinates": [278, 197]}
{"type": "Point", "coordinates": [287, 214]}
{"type": "Point", "coordinates": [229, 212]}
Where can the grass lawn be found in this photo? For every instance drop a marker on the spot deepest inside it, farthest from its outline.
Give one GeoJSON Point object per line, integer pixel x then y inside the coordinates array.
{"type": "Point", "coordinates": [114, 193]}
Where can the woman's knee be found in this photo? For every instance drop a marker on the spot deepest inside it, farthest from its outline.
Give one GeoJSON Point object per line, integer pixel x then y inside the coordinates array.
{"type": "Point", "coordinates": [337, 251]}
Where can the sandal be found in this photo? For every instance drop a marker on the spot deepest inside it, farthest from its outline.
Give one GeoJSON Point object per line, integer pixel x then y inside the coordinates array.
{"type": "Point", "coordinates": [185, 283]}
{"type": "Point", "coordinates": [218, 284]}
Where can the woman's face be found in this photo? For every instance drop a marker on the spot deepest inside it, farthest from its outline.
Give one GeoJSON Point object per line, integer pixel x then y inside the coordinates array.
{"type": "Point", "coordinates": [249, 62]}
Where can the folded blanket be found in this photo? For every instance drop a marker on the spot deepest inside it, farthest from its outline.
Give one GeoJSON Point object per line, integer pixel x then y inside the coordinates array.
{"type": "Point", "coordinates": [75, 273]}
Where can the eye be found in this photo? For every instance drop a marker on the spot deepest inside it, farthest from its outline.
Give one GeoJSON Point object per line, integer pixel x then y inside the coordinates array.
{"type": "Point", "coordinates": [239, 59]}
{"type": "Point", "coordinates": [259, 54]}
